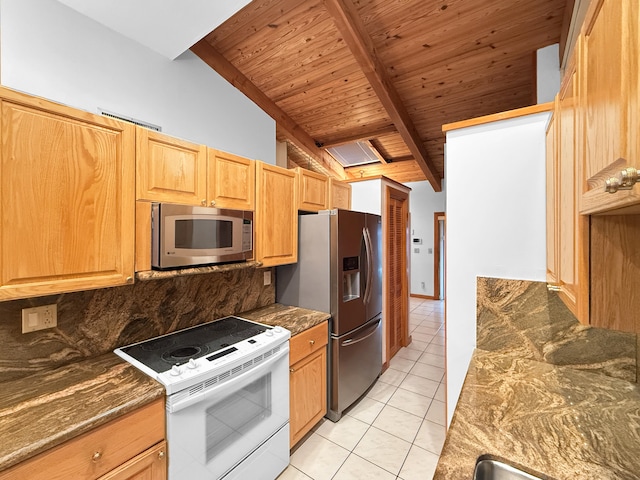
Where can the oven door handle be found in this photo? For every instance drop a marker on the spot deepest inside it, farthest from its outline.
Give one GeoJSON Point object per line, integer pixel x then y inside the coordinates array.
{"type": "Point", "coordinates": [256, 371]}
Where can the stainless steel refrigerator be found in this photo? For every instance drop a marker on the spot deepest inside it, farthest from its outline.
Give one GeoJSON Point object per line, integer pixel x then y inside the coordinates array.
{"type": "Point", "coordinates": [339, 270]}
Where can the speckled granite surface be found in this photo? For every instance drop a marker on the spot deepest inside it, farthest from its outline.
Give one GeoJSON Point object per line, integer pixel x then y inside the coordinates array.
{"type": "Point", "coordinates": [558, 421]}
{"type": "Point", "coordinates": [545, 392]}
{"type": "Point", "coordinates": [45, 409]}
{"type": "Point", "coordinates": [294, 319]}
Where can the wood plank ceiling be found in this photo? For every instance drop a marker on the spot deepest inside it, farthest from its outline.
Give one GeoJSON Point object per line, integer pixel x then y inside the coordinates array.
{"type": "Point", "coordinates": [390, 71]}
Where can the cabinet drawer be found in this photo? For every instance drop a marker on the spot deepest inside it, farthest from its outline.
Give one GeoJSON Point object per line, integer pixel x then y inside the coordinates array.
{"type": "Point", "coordinates": [95, 453]}
{"type": "Point", "coordinates": [308, 342]}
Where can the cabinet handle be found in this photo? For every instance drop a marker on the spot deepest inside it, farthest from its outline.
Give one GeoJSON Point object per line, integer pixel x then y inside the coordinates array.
{"type": "Point", "coordinates": [203, 202]}
{"type": "Point", "coordinates": [129, 279]}
{"type": "Point", "coordinates": [96, 456]}
{"type": "Point", "coordinates": [625, 180]}
{"type": "Point", "coordinates": [291, 370]}
{"type": "Point", "coordinates": [553, 288]}
{"type": "Point", "coordinates": [312, 342]}
{"type": "Point", "coordinates": [213, 203]}
{"type": "Point", "coordinates": [161, 454]}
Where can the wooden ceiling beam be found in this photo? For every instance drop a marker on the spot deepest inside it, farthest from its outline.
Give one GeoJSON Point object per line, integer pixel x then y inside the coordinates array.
{"type": "Point", "coordinates": [334, 142]}
{"type": "Point", "coordinates": [352, 29]}
{"type": "Point", "coordinates": [296, 134]}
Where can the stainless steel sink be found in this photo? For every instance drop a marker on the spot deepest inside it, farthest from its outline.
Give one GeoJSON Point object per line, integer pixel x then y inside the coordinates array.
{"type": "Point", "coordinates": [489, 469]}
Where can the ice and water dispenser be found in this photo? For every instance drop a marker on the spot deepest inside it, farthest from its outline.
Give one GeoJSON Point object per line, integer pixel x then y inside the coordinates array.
{"type": "Point", "coordinates": [350, 278]}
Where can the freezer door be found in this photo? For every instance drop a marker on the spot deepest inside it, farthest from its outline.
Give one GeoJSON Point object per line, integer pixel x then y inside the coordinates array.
{"type": "Point", "coordinates": [356, 362]}
{"type": "Point", "coordinates": [373, 234]}
{"type": "Point", "coordinates": [348, 271]}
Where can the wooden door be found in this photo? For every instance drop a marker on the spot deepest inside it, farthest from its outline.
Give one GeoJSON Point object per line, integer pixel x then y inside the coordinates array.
{"type": "Point", "coordinates": [169, 169]}
{"type": "Point", "coordinates": [67, 198]}
{"type": "Point", "coordinates": [230, 181]}
{"type": "Point", "coordinates": [276, 220]}
{"type": "Point", "coordinates": [395, 228]}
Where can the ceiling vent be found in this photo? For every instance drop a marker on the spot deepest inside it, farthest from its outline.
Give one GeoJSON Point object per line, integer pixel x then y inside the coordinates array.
{"type": "Point", "coordinates": [353, 154]}
{"type": "Point", "coordinates": [140, 123]}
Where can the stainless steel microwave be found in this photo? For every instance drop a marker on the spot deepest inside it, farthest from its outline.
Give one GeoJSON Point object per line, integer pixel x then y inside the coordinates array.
{"type": "Point", "coordinates": [185, 236]}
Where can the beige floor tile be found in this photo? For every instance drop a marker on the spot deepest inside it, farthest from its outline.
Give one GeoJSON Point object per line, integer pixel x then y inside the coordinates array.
{"type": "Point", "coordinates": [410, 402]}
{"type": "Point", "coordinates": [441, 392]}
{"type": "Point", "coordinates": [431, 437]}
{"type": "Point", "coordinates": [422, 337]}
{"type": "Point", "coordinates": [432, 359]}
{"type": "Point", "coordinates": [417, 345]}
{"type": "Point", "coordinates": [437, 340]}
{"type": "Point", "coordinates": [435, 349]}
{"type": "Point", "coordinates": [366, 410]}
{"type": "Point", "coordinates": [292, 473]}
{"type": "Point", "coordinates": [381, 391]}
{"type": "Point", "coordinates": [408, 354]}
{"type": "Point", "coordinates": [357, 468]}
{"type": "Point", "coordinates": [401, 364]}
{"type": "Point", "coordinates": [428, 371]}
{"type": "Point", "coordinates": [436, 413]}
{"type": "Point", "coordinates": [420, 385]}
{"type": "Point", "coordinates": [392, 377]}
{"type": "Point", "coordinates": [397, 422]}
{"type": "Point", "coordinates": [347, 432]}
{"type": "Point", "coordinates": [420, 464]}
{"type": "Point", "coordinates": [427, 329]}
{"type": "Point", "coordinates": [319, 458]}
{"type": "Point", "coordinates": [383, 449]}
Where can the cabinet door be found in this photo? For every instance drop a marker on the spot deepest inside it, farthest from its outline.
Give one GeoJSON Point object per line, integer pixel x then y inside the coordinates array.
{"type": "Point", "coordinates": [230, 181]}
{"type": "Point", "coordinates": [307, 393]}
{"type": "Point", "coordinates": [149, 465]}
{"type": "Point", "coordinates": [169, 169]}
{"type": "Point", "coordinates": [339, 194]}
{"type": "Point", "coordinates": [67, 198]}
{"type": "Point", "coordinates": [552, 210]}
{"type": "Point", "coordinates": [609, 98]}
{"type": "Point", "coordinates": [276, 219]}
{"type": "Point", "coordinates": [313, 190]}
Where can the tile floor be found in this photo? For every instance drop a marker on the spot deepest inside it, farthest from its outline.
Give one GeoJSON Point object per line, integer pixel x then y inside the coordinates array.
{"type": "Point", "coordinates": [397, 430]}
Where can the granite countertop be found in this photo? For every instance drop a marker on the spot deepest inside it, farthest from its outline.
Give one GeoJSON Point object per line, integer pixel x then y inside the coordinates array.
{"type": "Point", "coordinates": [294, 319]}
{"type": "Point", "coordinates": [552, 420]}
{"type": "Point", "coordinates": [43, 410]}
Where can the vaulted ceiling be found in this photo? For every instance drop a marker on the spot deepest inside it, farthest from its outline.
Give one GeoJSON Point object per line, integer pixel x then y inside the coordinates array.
{"type": "Point", "coordinates": [390, 72]}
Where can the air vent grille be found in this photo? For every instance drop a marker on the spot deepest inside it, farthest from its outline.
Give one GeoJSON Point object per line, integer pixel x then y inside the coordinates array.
{"type": "Point", "coordinates": [140, 123]}
{"type": "Point", "coordinates": [353, 154]}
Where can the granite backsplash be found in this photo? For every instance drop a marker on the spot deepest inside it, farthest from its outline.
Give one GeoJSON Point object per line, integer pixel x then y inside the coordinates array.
{"type": "Point", "coordinates": [522, 319]}
{"type": "Point", "coordinates": [94, 322]}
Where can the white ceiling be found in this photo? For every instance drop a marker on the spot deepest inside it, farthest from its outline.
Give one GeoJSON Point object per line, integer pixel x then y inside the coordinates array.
{"type": "Point", "coordinates": [168, 27]}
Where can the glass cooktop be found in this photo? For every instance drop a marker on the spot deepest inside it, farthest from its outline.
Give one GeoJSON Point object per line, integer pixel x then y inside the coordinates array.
{"type": "Point", "coordinates": [177, 348]}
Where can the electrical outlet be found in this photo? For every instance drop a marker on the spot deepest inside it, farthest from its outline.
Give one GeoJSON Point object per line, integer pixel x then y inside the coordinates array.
{"type": "Point", "coordinates": [267, 277]}
{"type": "Point", "coordinates": [39, 318]}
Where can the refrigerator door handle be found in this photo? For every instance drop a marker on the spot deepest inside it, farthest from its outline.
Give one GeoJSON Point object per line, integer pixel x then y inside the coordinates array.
{"type": "Point", "coordinates": [368, 249]}
{"type": "Point", "coordinates": [353, 341]}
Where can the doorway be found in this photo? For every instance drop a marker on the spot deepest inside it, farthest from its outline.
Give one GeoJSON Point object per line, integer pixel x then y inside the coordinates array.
{"type": "Point", "coordinates": [439, 222]}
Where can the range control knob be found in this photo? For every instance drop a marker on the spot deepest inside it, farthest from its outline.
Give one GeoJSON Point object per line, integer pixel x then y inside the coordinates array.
{"type": "Point", "coordinates": [192, 364]}
{"type": "Point", "coordinates": [269, 333]}
{"type": "Point", "coordinates": [277, 330]}
{"type": "Point", "coordinates": [175, 371]}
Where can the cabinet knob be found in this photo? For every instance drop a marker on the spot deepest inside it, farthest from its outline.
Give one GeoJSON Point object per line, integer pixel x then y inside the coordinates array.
{"type": "Point", "coordinates": [203, 202]}
{"type": "Point", "coordinates": [312, 342]}
{"type": "Point", "coordinates": [129, 280]}
{"type": "Point", "coordinates": [96, 456]}
{"type": "Point", "coordinates": [213, 203]}
{"type": "Point", "coordinates": [291, 370]}
{"type": "Point", "coordinates": [161, 454]}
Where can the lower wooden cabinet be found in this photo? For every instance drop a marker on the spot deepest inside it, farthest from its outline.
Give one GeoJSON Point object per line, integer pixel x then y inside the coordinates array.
{"type": "Point", "coordinates": [308, 380]}
{"type": "Point", "coordinates": [129, 447]}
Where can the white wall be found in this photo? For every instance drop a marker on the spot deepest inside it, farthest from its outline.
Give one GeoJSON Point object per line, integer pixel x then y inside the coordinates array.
{"type": "Point", "coordinates": [495, 223]}
{"type": "Point", "coordinates": [366, 196]}
{"type": "Point", "coordinates": [548, 73]}
{"type": "Point", "coordinates": [50, 50]}
{"type": "Point", "coordinates": [424, 202]}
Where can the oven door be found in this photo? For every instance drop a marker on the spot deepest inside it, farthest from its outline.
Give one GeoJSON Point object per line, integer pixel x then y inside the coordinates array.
{"type": "Point", "coordinates": [209, 437]}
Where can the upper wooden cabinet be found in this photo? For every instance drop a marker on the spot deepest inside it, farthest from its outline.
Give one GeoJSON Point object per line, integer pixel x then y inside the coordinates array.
{"type": "Point", "coordinates": [339, 194]}
{"type": "Point", "coordinates": [609, 103]}
{"type": "Point", "coordinates": [276, 217]}
{"type": "Point", "coordinates": [169, 169]}
{"type": "Point", "coordinates": [313, 190]}
{"type": "Point", "coordinates": [230, 181]}
{"type": "Point", "coordinates": [67, 198]}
